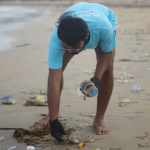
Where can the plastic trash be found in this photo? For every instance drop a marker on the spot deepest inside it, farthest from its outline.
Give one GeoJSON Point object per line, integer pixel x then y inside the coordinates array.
{"type": "Point", "coordinates": [33, 103]}
{"type": "Point", "coordinates": [41, 98]}
{"type": "Point", "coordinates": [8, 102]}
{"type": "Point", "coordinates": [124, 68]}
{"type": "Point", "coordinates": [93, 115]}
{"type": "Point", "coordinates": [137, 88]}
{"type": "Point", "coordinates": [2, 138]}
{"type": "Point", "coordinates": [81, 145]}
{"type": "Point", "coordinates": [146, 55]}
{"type": "Point", "coordinates": [123, 101]}
{"type": "Point", "coordinates": [86, 124]}
{"type": "Point", "coordinates": [12, 148]}
{"type": "Point", "coordinates": [148, 69]}
{"type": "Point", "coordinates": [30, 148]}
{"type": "Point", "coordinates": [6, 97]}
{"type": "Point", "coordinates": [97, 149]}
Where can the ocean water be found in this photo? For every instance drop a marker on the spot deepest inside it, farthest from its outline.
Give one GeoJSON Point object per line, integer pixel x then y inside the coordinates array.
{"type": "Point", "coordinates": [12, 17]}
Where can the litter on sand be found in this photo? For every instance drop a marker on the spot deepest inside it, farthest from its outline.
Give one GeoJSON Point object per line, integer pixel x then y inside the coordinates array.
{"type": "Point", "coordinates": [12, 148]}
{"type": "Point", "coordinates": [8, 102]}
{"type": "Point", "coordinates": [2, 138]}
{"type": "Point", "coordinates": [123, 101]}
{"type": "Point", "coordinates": [93, 115]}
{"type": "Point", "coordinates": [89, 71]}
{"type": "Point", "coordinates": [41, 98]}
{"type": "Point", "coordinates": [148, 69]}
{"type": "Point", "coordinates": [86, 125]}
{"type": "Point", "coordinates": [81, 145]}
{"type": "Point", "coordinates": [146, 136]}
{"type": "Point", "coordinates": [137, 88]}
{"type": "Point", "coordinates": [34, 103]}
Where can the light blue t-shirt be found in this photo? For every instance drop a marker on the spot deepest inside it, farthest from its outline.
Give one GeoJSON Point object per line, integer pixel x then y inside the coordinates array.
{"type": "Point", "coordinates": [101, 23]}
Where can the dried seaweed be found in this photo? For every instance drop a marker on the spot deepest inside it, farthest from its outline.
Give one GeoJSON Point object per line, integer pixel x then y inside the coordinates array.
{"type": "Point", "coordinates": [32, 136]}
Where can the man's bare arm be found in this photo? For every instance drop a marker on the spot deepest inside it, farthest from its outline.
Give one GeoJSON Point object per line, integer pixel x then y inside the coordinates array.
{"type": "Point", "coordinates": [54, 92]}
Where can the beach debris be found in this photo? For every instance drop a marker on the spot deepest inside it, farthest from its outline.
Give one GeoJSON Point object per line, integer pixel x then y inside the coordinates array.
{"type": "Point", "coordinates": [33, 103]}
{"type": "Point", "coordinates": [125, 78]}
{"type": "Point", "coordinates": [136, 56]}
{"type": "Point", "coordinates": [148, 69]}
{"type": "Point", "coordinates": [41, 98]}
{"type": "Point", "coordinates": [125, 81]}
{"type": "Point", "coordinates": [32, 136]}
{"type": "Point", "coordinates": [6, 97]}
{"type": "Point", "coordinates": [146, 136]}
{"type": "Point", "coordinates": [67, 105]}
{"type": "Point", "coordinates": [81, 145]}
{"type": "Point", "coordinates": [88, 88]}
{"type": "Point", "coordinates": [30, 148]}
{"type": "Point", "coordinates": [8, 102]}
{"type": "Point", "coordinates": [12, 148]}
{"type": "Point", "coordinates": [2, 138]}
{"type": "Point", "coordinates": [43, 114]}
{"type": "Point", "coordinates": [125, 59]}
{"type": "Point", "coordinates": [93, 115]}
{"type": "Point", "coordinates": [63, 117]}
{"type": "Point", "coordinates": [89, 71]}
{"type": "Point", "coordinates": [124, 68]}
{"type": "Point", "coordinates": [86, 125]}
{"type": "Point", "coordinates": [137, 88]}
{"type": "Point", "coordinates": [23, 45]}
{"type": "Point", "coordinates": [97, 149]}
{"type": "Point", "coordinates": [146, 55]}
{"type": "Point", "coordinates": [114, 149]}
{"type": "Point", "coordinates": [123, 101]}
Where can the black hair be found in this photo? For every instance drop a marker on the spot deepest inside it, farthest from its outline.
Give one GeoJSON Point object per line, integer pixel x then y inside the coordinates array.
{"type": "Point", "coordinates": [71, 29]}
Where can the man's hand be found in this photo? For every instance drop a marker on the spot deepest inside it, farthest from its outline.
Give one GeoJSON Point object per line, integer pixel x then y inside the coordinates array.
{"type": "Point", "coordinates": [56, 129]}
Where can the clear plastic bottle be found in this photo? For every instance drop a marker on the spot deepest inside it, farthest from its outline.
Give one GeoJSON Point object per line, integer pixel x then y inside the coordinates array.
{"type": "Point", "coordinates": [12, 148]}
{"type": "Point", "coordinates": [30, 148]}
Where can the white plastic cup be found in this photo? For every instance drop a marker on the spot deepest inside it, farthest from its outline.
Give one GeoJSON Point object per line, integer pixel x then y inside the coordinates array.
{"type": "Point", "coordinates": [30, 148]}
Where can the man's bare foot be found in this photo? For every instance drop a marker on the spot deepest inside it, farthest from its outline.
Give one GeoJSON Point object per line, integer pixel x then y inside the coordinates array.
{"type": "Point", "coordinates": [44, 121]}
{"type": "Point", "coordinates": [100, 127]}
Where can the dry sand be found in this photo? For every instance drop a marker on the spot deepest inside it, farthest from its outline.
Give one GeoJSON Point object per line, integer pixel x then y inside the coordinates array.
{"type": "Point", "coordinates": [25, 69]}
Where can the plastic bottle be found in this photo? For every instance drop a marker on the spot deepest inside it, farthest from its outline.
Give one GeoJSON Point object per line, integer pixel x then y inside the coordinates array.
{"type": "Point", "coordinates": [137, 88]}
{"type": "Point", "coordinates": [12, 148]}
{"type": "Point", "coordinates": [30, 148]}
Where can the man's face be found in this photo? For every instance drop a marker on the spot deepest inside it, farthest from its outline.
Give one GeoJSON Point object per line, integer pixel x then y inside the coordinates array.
{"type": "Point", "coordinates": [79, 46]}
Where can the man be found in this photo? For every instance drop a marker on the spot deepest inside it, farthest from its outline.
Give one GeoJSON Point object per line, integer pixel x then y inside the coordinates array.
{"type": "Point", "coordinates": [83, 26]}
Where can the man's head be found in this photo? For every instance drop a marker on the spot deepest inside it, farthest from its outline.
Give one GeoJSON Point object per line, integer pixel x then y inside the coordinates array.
{"type": "Point", "coordinates": [72, 32]}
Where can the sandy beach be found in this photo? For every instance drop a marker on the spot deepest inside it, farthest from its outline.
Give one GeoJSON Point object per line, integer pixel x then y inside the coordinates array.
{"type": "Point", "coordinates": [24, 72]}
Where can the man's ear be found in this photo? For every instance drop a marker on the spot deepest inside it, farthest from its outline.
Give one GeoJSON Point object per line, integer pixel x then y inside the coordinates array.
{"type": "Point", "coordinates": [87, 35]}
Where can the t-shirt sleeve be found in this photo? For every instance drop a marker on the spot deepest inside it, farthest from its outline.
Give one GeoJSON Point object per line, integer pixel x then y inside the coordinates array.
{"type": "Point", "coordinates": [107, 38]}
{"type": "Point", "coordinates": [55, 57]}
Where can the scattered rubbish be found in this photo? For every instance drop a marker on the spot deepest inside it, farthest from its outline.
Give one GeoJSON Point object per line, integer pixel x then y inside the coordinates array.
{"type": "Point", "coordinates": [146, 136]}
{"type": "Point", "coordinates": [93, 115]}
{"type": "Point", "coordinates": [124, 68]}
{"type": "Point", "coordinates": [5, 97]}
{"type": "Point", "coordinates": [34, 103]}
{"type": "Point", "coordinates": [141, 60]}
{"type": "Point", "coordinates": [97, 149]}
{"type": "Point", "coordinates": [137, 49]}
{"type": "Point", "coordinates": [43, 114]}
{"type": "Point", "coordinates": [88, 88]}
{"type": "Point", "coordinates": [137, 88]}
{"type": "Point", "coordinates": [41, 98]}
{"type": "Point", "coordinates": [8, 102]}
{"type": "Point", "coordinates": [114, 149]}
{"type": "Point", "coordinates": [62, 117]}
{"type": "Point", "coordinates": [89, 71]}
{"type": "Point", "coordinates": [146, 55]}
{"type": "Point", "coordinates": [125, 81]}
{"type": "Point", "coordinates": [136, 56]}
{"type": "Point", "coordinates": [32, 136]}
{"type": "Point", "coordinates": [30, 148]}
{"type": "Point", "coordinates": [148, 69]}
{"type": "Point", "coordinates": [125, 59]}
{"type": "Point", "coordinates": [123, 101]}
{"type": "Point", "coordinates": [86, 124]}
{"type": "Point", "coordinates": [81, 145]}
{"type": "Point", "coordinates": [2, 138]}
{"type": "Point", "coordinates": [23, 45]}
{"type": "Point", "coordinates": [12, 148]}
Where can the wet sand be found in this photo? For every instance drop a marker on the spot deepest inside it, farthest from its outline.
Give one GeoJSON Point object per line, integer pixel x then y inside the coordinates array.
{"type": "Point", "coordinates": [25, 69]}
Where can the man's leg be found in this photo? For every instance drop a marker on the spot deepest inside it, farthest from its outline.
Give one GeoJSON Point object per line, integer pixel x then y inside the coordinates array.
{"type": "Point", "coordinates": [66, 58]}
{"type": "Point", "coordinates": [105, 90]}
